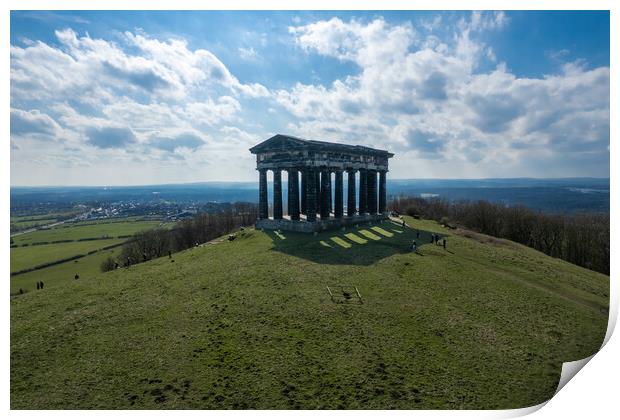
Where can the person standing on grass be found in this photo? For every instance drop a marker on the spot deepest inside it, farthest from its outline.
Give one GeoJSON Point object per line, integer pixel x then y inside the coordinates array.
{"type": "Point", "coordinates": [414, 247]}
{"type": "Point", "coordinates": [444, 243]}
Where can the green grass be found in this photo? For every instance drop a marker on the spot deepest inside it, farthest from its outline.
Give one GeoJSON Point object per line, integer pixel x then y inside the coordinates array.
{"type": "Point", "coordinates": [75, 232]}
{"type": "Point", "coordinates": [115, 220]}
{"type": "Point", "coordinates": [25, 222]}
{"type": "Point", "coordinates": [31, 256]}
{"type": "Point", "coordinates": [249, 324]}
{"type": "Point", "coordinates": [32, 223]}
{"type": "Point", "coordinates": [61, 274]}
{"type": "Point", "coordinates": [39, 217]}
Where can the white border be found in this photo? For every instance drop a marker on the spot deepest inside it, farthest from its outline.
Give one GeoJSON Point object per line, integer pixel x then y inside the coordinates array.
{"type": "Point", "coordinates": [592, 394]}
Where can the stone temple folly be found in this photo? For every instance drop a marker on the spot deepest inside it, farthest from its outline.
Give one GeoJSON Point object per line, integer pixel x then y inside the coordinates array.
{"type": "Point", "coordinates": [316, 200]}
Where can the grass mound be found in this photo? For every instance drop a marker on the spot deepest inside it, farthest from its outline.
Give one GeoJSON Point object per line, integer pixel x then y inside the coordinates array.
{"type": "Point", "coordinates": [250, 324]}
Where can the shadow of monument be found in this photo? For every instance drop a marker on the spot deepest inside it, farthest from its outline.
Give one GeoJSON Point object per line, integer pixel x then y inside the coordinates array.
{"type": "Point", "coordinates": [361, 245]}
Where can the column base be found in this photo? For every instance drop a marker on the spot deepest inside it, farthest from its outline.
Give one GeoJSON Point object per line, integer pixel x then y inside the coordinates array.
{"type": "Point", "coordinates": [319, 225]}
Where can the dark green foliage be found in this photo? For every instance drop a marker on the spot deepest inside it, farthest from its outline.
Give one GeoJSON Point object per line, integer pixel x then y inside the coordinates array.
{"type": "Point", "coordinates": [188, 233]}
{"type": "Point", "coordinates": [108, 264]}
{"type": "Point", "coordinates": [145, 245]}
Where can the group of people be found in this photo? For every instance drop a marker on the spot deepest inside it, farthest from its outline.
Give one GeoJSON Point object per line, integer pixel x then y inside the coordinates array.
{"type": "Point", "coordinates": [434, 239]}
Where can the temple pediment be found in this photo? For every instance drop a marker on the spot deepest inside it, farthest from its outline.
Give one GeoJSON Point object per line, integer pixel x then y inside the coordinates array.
{"type": "Point", "coordinates": [278, 142]}
{"type": "Point", "coordinates": [284, 142]}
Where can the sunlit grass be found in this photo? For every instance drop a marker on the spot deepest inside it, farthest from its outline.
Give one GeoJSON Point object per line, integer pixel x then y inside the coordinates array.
{"type": "Point", "coordinates": [369, 235]}
{"type": "Point", "coordinates": [355, 238]}
{"type": "Point", "coordinates": [382, 231]}
{"type": "Point", "coordinates": [325, 244]}
{"type": "Point", "coordinates": [341, 242]}
{"type": "Point", "coordinates": [279, 235]}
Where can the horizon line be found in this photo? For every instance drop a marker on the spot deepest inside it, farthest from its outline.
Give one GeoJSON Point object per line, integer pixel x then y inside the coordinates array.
{"type": "Point", "coordinates": [246, 182]}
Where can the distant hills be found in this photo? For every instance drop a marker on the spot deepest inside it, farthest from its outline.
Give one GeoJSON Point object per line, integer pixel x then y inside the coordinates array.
{"type": "Point", "coordinates": [550, 194]}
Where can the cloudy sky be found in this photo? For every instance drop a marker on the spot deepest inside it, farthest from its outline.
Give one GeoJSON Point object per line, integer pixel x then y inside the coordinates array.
{"type": "Point", "coordinates": [126, 98]}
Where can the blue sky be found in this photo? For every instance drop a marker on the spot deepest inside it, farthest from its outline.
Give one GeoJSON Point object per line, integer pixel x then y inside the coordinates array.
{"type": "Point", "coordinates": [155, 97]}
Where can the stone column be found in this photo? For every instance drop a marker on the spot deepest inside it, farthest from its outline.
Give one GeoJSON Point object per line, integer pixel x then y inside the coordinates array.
{"type": "Point", "coordinates": [325, 181]}
{"type": "Point", "coordinates": [338, 209]}
{"type": "Point", "coordinates": [351, 201]}
{"type": "Point", "coordinates": [304, 181]}
{"type": "Point", "coordinates": [263, 206]}
{"type": "Point", "coordinates": [277, 194]}
{"type": "Point", "coordinates": [311, 194]}
{"type": "Point", "coordinates": [363, 191]}
{"type": "Point", "coordinates": [372, 191]}
{"type": "Point", "coordinates": [289, 188]}
{"type": "Point", "coordinates": [382, 192]}
{"type": "Point", "coordinates": [293, 194]}
{"type": "Point", "coordinates": [330, 188]}
{"type": "Point", "coordinates": [318, 191]}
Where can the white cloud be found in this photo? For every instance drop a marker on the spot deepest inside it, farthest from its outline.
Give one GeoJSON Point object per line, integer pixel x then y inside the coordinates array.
{"type": "Point", "coordinates": [115, 101]}
{"type": "Point", "coordinates": [211, 112]}
{"type": "Point", "coordinates": [416, 89]}
{"type": "Point", "coordinates": [32, 123]}
{"type": "Point", "coordinates": [431, 102]}
{"type": "Point", "coordinates": [87, 67]}
{"type": "Point", "coordinates": [354, 41]}
{"type": "Point", "coordinates": [248, 54]}
{"type": "Point", "coordinates": [480, 21]}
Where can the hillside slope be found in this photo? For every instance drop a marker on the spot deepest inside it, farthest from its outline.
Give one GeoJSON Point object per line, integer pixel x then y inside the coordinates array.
{"type": "Point", "coordinates": [249, 324]}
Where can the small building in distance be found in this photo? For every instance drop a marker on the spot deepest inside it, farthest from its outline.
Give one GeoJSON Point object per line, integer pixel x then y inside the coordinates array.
{"type": "Point", "coordinates": [316, 198]}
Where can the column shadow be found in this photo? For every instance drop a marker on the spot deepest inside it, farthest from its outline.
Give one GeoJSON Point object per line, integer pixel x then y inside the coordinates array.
{"type": "Point", "coordinates": [362, 245]}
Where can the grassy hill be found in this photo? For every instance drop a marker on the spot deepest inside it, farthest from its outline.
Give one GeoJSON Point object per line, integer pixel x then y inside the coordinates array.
{"type": "Point", "coordinates": [485, 323]}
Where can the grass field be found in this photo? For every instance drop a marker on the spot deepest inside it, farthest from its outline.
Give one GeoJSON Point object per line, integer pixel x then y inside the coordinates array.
{"type": "Point", "coordinates": [114, 220]}
{"type": "Point", "coordinates": [75, 232]}
{"type": "Point", "coordinates": [31, 223]}
{"type": "Point", "coordinates": [31, 256]}
{"type": "Point", "coordinates": [61, 274]}
{"type": "Point", "coordinates": [485, 323]}
{"type": "Point", "coordinates": [25, 222]}
{"type": "Point", "coordinates": [38, 217]}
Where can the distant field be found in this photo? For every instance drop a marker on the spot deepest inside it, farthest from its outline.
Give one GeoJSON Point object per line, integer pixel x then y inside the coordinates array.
{"type": "Point", "coordinates": [38, 217]}
{"type": "Point", "coordinates": [61, 274]}
{"type": "Point", "coordinates": [31, 256]}
{"type": "Point", "coordinates": [22, 225]}
{"type": "Point", "coordinates": [77, 231]}
{"type": "Point", "coordinates": [25, 222]}
{"type": "Point", "coordinates": [113, 220]}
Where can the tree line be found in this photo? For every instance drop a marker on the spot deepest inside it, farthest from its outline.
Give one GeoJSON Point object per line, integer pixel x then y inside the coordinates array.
{"type": "Point", "coordinates": [582, 238]}
{"type": "Point", "coordinates": [158, 242]}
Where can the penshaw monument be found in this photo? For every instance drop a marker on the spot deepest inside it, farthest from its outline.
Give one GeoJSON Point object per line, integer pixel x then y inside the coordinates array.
{"type": "Point", "coordinates": [316, 199]}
